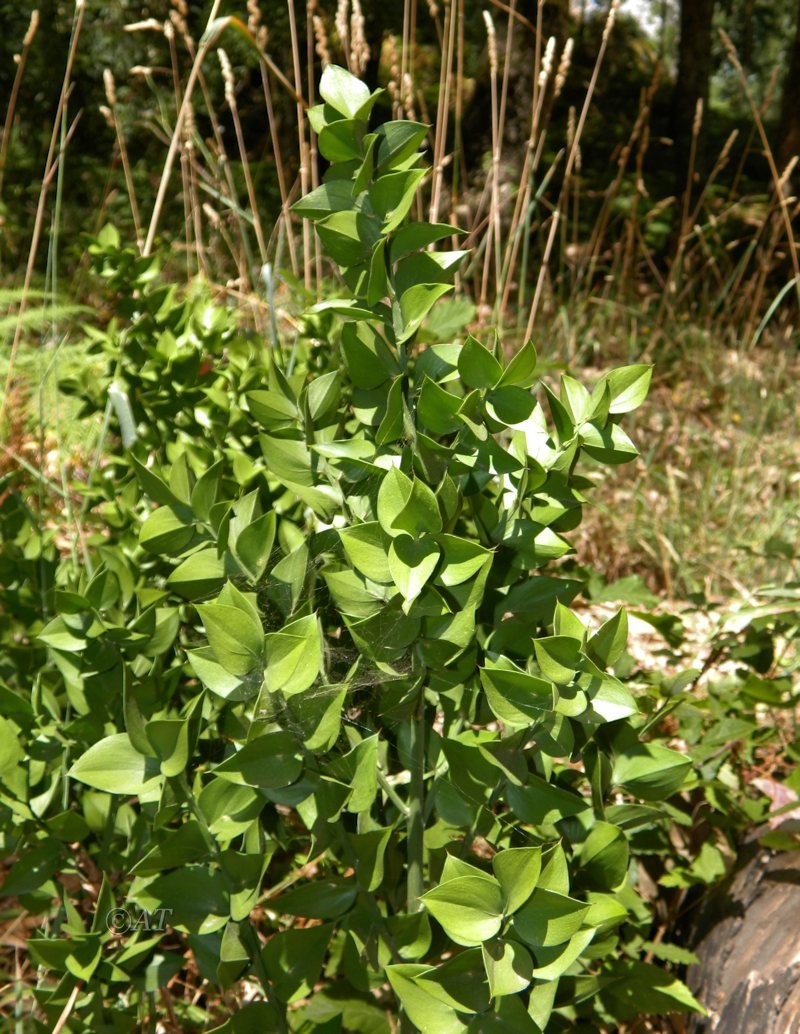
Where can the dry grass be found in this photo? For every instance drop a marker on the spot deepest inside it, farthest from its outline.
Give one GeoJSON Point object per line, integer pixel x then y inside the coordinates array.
{"type": "Point", "coordinates": [715, 312]}
{"type": "Point", "coordinates": [717, 486]}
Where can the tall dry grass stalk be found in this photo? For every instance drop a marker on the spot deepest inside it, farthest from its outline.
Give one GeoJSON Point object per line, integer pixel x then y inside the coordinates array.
{"type": "Point", "coordinates": [176, 21]}
{"type": "Point", "coordinates": [303, 146]}
{"type": "Point", "coordinates": [359, 48]}
{"type": "Point", "coordinates": [571, 158]}
{"type": "Point", "coordinates": [205, 46]}
{"type": "Point", "coordinates": [492, 241]}
{"type": "Point", "coordinates": [21, 60]}
{"type": "Point", "coordinates": [281, 177]}
{"type": "Point", "coordinates": [777, 181]}
{"type": "Point", "coordinates": [530, 162]}
{"type": "Point", "coordinates": [441, 125]}
{"type": "Point", "coordinates": [50, 167]}
{"type": "Point", "coordinates": [533, 244]}
{"type": "Point", "coordinates": [113, 118]}
{"type": "Point", "coordinates": [230, 97]}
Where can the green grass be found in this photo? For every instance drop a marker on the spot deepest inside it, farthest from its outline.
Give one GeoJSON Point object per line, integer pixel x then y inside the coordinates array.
{"type": "Point", "coordinates": [52, 347]}
{"type": "Point", "coordinates": [712, 505]}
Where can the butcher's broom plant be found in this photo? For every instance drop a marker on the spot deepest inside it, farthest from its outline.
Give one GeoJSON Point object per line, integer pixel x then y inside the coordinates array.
{"type": "Point", "coordinates": [389, 780]}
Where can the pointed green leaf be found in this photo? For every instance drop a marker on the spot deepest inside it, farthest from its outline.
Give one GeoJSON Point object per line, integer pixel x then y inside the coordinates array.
{"type": "Point", "coordinates": [508, 967]}
{"type": "Point", "coordinates": [477, 366]}
{"type": "Point", "coordinates": [294, 656]}
{"type": "Point", "coordinates": [392, 195]}
{"type": "Point", "coordinates": [629, 386]}
{"type": "Point", "coordinates": [437, 408]}
{"type": "Point", "coordinates": [548, 919]}
{"type": "Point", "coordinates": [368, 358]}
{"type": "Point", "coordinates": [268, 762]}
{"type": "Point", "coordinates": [172, 742]}
{"type": "Point", "coordinates": [367, 548]}
{"type": "Point", "coordinates": [462, 559]}
{"type": "Point", "coordinates": [415, 236]}
{"type": "Point", "coordinates": [378, 284]}
{"type": "Point", "coordinates": [115, 766]}
{"type": "Point", "coordinates": [576, 399]}
{"type": "Point", "coordinates": [460, 982]}
{"type": "Point", "coordinates": [608, 644]}
{"type": "Point", "coordinates": [415, 304]}
{"type": "Point", "coordinates": [294, 959]}
{"type": "Point", "coordinates": [521, 369]}
{"type": "Point", "coordinates": [198, 575]}
{"type": "Point", "coordinates": [365, 172]}
{"type": "Point", "coordinates": [343, 91]}
{"type": "Point", "coordinates": [254, 544]}
{"type": "Point", "coordinates": [165, 532]}
{"type": "Point", "coordinates": [551, 963]}
{"type": "Point", "coordinates": [610, 445]}
{"type": "Point", "coordinates": [179, 847]}
{"type": "Point", "coordinates": [391, 426]}
{"type": "Point", "coordinates": [322, 899]}
{"type": "Point", "coordinates": [370, 849]}
{"type": "Point", "coordinates": [420, 513]}
{"type": "Point", "coordinates": [558, 656]}
{"type": "Point", "coordinates": [517, 870]}
{"type": "Point", "coordinates": [342, 140]}
{"type": "Point", "coordinates": [515, 697]}
{"type": "Point", "coordinates": [324, 200]}
{"type": "Point", "coordinates": [412, 564]}
{"type": "Point", "coordinates": [604, 856]}
{"type": "Point", "coordinates": [468, 908]}
{"type": "Point", "coordinates": [217, 678]}
{"type": "Point", "coordinates": [363, 761]}
{"type": "Point", "coordinates": [348, 237]}
{"type": "Point", "coordinates": [541, 803]}
{"type": "Point", "coordinates": [651, 771]}
{"type": "Point", "coordinates": [428, 1014]}
{"type": "Point", "coordinates": [397, 141]}
{"type": "Point", "coordinates": [235, 636]}
{"type": "Point", "coordinates": [393, 494]}
{"type": "Point", "coordinates": [638, 987]}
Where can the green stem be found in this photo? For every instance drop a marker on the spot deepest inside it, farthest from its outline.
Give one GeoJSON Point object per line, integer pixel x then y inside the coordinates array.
{"type": "Point", "coordinates": [416, 804]}
{"type": "Point", "coordinates": [368, 897]}
{"type": "Point", "coordinates": [263, 978]}
{"type": "Point", "coordinates": [473, 829]}
{"type": "Point", "coordinates": [248, 929]}
{"type": "Point", "coordinates": [183, 784]}
{"type": "Point", "coordinates": [108, 834]}
{"type": "Point", "coordinates": [392, 794]}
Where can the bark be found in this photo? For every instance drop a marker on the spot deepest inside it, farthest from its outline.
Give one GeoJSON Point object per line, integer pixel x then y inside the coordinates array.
{"type": "Point", "coordinates": [749, 972]}
{"type": "Point", "coordinates": [694, 76]}
{"type": "Point", "coordinates": [789, 131]}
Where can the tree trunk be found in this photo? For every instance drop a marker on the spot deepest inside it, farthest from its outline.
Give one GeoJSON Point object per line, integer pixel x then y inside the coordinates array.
{"type": "Point", "coordinates": [694, 75]}
{"type": "Point", "coordinates": [789, 131]}
{"type": "Point", "coordinates": [748, 976]}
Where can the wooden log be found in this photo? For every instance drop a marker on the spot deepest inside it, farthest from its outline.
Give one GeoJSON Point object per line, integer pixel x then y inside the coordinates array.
{"type": "Point", "coordinates": [748, 976]}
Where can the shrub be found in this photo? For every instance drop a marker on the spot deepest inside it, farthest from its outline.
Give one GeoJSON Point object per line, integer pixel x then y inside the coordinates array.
{"type": "Point", "coordinates": [347, 735]}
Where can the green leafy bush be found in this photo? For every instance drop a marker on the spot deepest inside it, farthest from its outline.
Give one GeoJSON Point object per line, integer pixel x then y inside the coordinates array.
{"type": "Point", "coordinates": [342, 729]}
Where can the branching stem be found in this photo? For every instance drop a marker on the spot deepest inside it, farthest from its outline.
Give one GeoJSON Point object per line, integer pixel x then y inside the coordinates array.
{"type": "Point", "coordinates": [416, 804]}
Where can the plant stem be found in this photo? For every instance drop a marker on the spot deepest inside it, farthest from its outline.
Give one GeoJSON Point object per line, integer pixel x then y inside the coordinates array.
{"type": "Point", "coordinates": [247, 927]}
{"type": "Point", "coordinates": [392, 794]}
{"type": "Point", "coordinates": [263, 978]}
{"type": "Point", "coordinates": [416, 802]}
